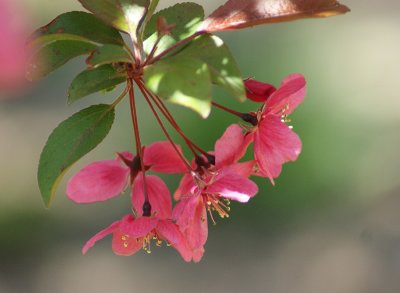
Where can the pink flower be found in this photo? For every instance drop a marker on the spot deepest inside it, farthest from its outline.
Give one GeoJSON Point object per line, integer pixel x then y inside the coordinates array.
{"type": "Point", "coordinates": [212, 187]}
{"type": "Point", "coordinates": [132, 233]}
{"type": "Point", "coordinates": [13, 54]}
{"type": "Point", "coordinates": [274, 142]}
{"type": "Point", "coordinates": [100, 181]}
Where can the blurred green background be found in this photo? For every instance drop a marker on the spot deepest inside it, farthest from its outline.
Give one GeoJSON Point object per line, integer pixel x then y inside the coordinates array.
{"type": "Point", "coordinates": [331, 223]}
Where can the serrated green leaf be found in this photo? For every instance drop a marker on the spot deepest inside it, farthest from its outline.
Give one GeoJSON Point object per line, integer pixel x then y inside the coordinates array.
{"type": "Point", "coordinates": [94, 80]}
{"type": "Point", "coordinates": [54, 55]}
{"type": "Point", "coordinates": [108, 54]}
{"type": "Point", "coordinates": [183, 81]}
{"type": "Point", "coordinates": [78, 26]}
{"type": "Point", "coordinates": [124, 15]}
{"type": "Point", "coordinates": [223, 67]}
{"type": "Point", "coordinates": [70, 141]}
{"type": "Point", "coordinates": [187, 18]}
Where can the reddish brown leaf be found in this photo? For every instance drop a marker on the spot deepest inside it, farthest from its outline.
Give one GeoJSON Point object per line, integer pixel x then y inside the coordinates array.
{"type": "Point", "coordinates": [237, 14]}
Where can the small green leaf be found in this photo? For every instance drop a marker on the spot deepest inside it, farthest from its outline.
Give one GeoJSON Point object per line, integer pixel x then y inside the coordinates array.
{"type": "Point", "coordinates": [108, 54]}
{"type": "Point", "coordinates": [54, 55]}
{"type": "Point", "coordinates": [79, 26]}
{"type": "Point", "coordinates": [180, 80]}
{"type": "Point", "coordinates": [124, 15]}
{"type": "Point", "coordinates": [94, 80]}
{"type": "Point", "coordinates": [187, 18]}
{"type": "Point", "coordinates": [223, 67]}
{"type": "Point", "coordinates": [70, 141]}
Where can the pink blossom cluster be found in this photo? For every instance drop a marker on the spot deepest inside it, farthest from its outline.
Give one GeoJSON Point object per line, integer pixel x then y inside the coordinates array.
{"type": "Point", "coordinates": [208, 184]}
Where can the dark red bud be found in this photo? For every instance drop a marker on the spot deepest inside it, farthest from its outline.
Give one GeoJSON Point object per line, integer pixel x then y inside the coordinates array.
{"type": "Point", "coordinates": [258, 91]}
{"type": "Point", "coordinates": [146, 209]}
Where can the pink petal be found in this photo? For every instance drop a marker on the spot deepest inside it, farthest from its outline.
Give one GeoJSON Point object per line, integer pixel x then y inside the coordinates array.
{"type": "Point", "coordinates": [158, 193]}
{"type": "Point", "coordinates": [139, 227]}
{"type": "Point", "coordinates": [290, 94]}
{"type": "Point", "coordinates": [258, 91]}
{"type": "Point", "coordinates": [233, 186]}
{"type": "Point", "coordinates": [185, 186]}
{"type": "Point", "coordinates": [170, 232]}
{"type": "Point", "coordinates": [275, 144]}
{"type": "Point", "coordinates": [198, 254]}
{"type": "Point", "coordinates": [231, 147]}
{"type": "Point", "coordinates": [244, 169]}
{"type": "Point", "coordinates": [162, 157]}
{"type": "Point", "coordinates": [191, 217]}
{"type": "Point", "coordinates": [103, 233]}
{"type": "Point", "coordinates": [98, 181]}
{"type": "Point", "coordinates": [13, 51]}
{"type": "Point", "coordinates": [122, 243]}
{"type": "Point", "coordinates": [273, 172]}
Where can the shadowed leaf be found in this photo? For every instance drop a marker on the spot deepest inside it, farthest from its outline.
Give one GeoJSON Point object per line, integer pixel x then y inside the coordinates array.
{"type": "Point", "coordinates": [94, 80]}
{"type": "Point", "coordinates": [223, 68]}
{"type": "Point", "coordinates": [69, 142]}
{"type": "Point", "coordinates": [186, 18]}
{"type": "Point", "coordinates": [54, 55]}
{"type": "Point", "coordinates": [124, 15]}
{"type": "Point", "coordinates": [108, 54]}
{"type": "Point", "coordinates": [79, 26]}
{"type": "Point", "coordinates": [181, 80]}
{"type": "Point", "coordinates": [237, 14]}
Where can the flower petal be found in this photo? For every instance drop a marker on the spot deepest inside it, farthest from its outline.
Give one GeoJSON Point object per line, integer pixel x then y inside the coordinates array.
{"type": "Point", "coordinates": [98, 181]}
{"type": "Point", "coordinates": [170, 232]}
{"type": "Point", "coordinates": [13, 50]}
{"type": "Point", "coordinates": [244, 169]}
{"type": "Point", "coordinates": [191, 217]}
{"type": "Point", "coordinates": [275, 144]}
{"type": "Point", "coordinates": [185, 186]}
{"type": "Point", "coordinates": [258, 91]}
{"type": "Point", "coordinates": [158, 193]}
{"type": "Point", "coordinates": [162, 157]}
{"type": "Point", "coordinates": [288, 96]}
{"type": "Point", "coordinates": [233, 186]}
{"type": "Point", "coordinates": [139, 227]}
{"type": "Point", "coordinates": [231, 147]}
{"type": "Point", "coordinates": [103, 233]}
{"type": "Point", "coordinates": [122, 243]}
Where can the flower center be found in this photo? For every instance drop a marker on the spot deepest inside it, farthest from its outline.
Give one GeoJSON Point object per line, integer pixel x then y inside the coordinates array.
{"type": "Point", "coordinates": [215, 203]}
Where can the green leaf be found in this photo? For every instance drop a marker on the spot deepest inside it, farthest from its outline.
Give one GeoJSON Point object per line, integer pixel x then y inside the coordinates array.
{"type": "Point", "coordinates": [54, 55]}
{"type": "Point", "coordinates": [180, 80]}
{"type": "Point", "coordinates": [108, 54]}
{"type": "Point", "coordinates": [94, 80]}
{"type": "Point", "coordinates": [187, 18]}
{"type": "Point", "coordinates": [124, 15]}
{"type": "Point", "coordinates": [70, 141]}
{"type": "Point", "coordinates": [150, 11]}
{"type": "Point", "coordinates": [79, 26]}
{"type": "Point", "coordinates": [223, 67]}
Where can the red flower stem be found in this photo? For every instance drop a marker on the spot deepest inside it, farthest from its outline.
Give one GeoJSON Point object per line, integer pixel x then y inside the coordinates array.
{"type": "Point", "coordinates": [238, 114]}
{"type": "Point", "coordinates": [172, 121]}
{"type": "Point", "coordinates": [139, 149]}
{"type": "Point", "coordinates": [176, 126]}
{"type": "Point", "coordinates": [143, 90]}
{"type": "Point", "coordinates": [173, 47]}
{"type": "Point", "coordinates": [153, 51]}
{"type": "Point", "coordinates": [164, 110]}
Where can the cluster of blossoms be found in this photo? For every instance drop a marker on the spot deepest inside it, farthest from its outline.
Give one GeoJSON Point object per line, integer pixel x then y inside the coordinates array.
{"type": "Point", "coordinates": [173, 56]}
{"type": "Point", "coordinates": [208, 184]}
